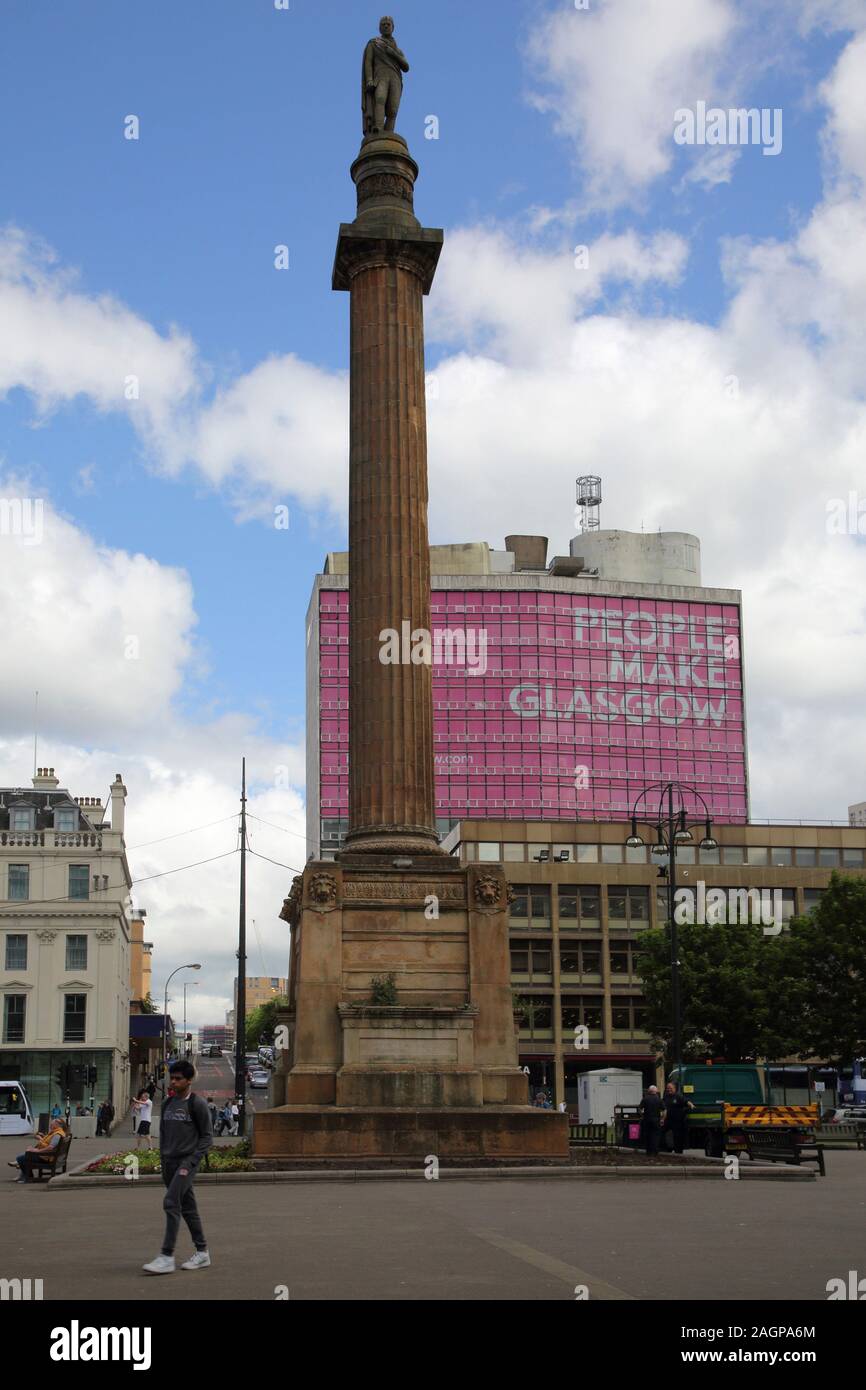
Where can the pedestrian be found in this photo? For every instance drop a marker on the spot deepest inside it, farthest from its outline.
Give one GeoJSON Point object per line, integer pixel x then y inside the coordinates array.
{"type": "Point", "coordinates": [235, 1116]}
{"type": "Point", "coordinates": [100, 1113]}
{"type": "Point", "coordinates": [56, 1112]}
{"type": "Point", "coordinates": [185, 1135]}
{"type": "Point", "coordinates": [142, 1109]}
{"type": "Point", "coordinates": [214, 1113]}
{"type": "Point", "coordinates": [225, 1118]}
{"type": "Point", "coordinates": [676, 1116]}
{"type": "Point", "coordinates": [41, 1150]}
{"type": "Point", "coordinates": [651, 1108]}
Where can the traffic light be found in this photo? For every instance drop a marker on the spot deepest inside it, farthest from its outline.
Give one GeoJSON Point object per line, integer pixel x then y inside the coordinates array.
{"type": "Point", "coordinates": [92, 1076]}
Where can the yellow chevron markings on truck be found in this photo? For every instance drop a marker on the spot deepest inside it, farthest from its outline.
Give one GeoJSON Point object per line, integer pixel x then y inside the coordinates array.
{"type": "Point", "coordinates": [791, 1115]}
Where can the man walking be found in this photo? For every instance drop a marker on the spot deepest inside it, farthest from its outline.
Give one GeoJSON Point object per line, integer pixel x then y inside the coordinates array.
{"type": "Point", "coordinates": [676, 1116]}
{"type": "Point", "coordinates": [185, 1135]}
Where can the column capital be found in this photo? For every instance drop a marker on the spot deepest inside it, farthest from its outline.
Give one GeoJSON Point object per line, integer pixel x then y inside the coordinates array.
{"type": "Point", "coordinates": [362, 247]}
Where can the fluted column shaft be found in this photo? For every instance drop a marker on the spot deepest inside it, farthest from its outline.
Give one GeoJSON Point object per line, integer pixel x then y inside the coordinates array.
{"type": "Point", "coordinates": [391, 780]}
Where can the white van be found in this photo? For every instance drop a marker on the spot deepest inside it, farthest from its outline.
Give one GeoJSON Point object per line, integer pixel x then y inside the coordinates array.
{"type": "Point", "coordinates": [16, 1116]}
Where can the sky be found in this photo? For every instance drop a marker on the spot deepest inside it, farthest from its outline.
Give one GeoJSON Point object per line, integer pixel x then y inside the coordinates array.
{"type": "Point", "coordinates": [167, 392]}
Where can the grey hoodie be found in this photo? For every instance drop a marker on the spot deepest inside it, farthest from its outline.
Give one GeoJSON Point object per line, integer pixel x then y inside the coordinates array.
{"type": "Point", "coordinates": [185, 1130]}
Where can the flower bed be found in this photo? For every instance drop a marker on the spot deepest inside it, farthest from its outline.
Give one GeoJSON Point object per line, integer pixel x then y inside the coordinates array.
{"type": "Point", "coordinates": [233, 1158]}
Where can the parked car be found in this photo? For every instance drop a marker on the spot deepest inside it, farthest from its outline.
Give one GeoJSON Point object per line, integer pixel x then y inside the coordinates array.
{"type": "Point", "coordinates": [846, 1114]}
{"type": "Point", "coordinates": [260, 1078]}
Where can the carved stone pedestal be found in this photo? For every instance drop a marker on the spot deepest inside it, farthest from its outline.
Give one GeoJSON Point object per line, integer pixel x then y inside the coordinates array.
{"type": "Point", "coordinates": [363, 1078]}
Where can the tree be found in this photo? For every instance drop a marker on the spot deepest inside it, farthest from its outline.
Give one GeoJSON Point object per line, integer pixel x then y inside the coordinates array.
{"type": "Point", "coordinates": [824, 984]}
{"type": "Point", "coordinates": [147, 1005]}
{"type": "Point", "coordinates": [727, 1004]}
{"type": "Point", "coordinates": [262, 1020]}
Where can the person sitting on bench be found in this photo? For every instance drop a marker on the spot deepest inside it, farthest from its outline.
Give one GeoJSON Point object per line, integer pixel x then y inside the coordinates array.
{"type": "Point", "coordinates": [42, 1152]}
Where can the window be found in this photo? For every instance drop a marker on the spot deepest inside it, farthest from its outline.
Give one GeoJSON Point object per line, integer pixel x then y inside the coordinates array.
{"type": "Point", "coordinates": [758, 855]}
{"type": "Point", "coordinates": [828, 858]}
{"type": "Point", "coordinates": [852, 859]}
{"type": "Point", "coordinates": [812, 897]}
{"type": "Point", "coordinates": [580, 958]}
{"type": "Point", "coordinates": [531, 904]}
{"type": "Point", "coordinates": [781, 858]}
{"type": "Point", "coordinates": [513, 853]}
{"type": "Point", "coordinates": [19, 882]}
{"type": "Point", "coordinates": [537, 1017]}
{"type": "Point", "coordinates": [531, 958]}
{"type": "Point", "coordinates": [685, 855]}
{"type": "Point", "coordinates": [708, 856]}
{"type": "Point", "coordinates": [13, 1017]}
{"type": "Point", "coordinates": [74, 1017]}
{"type": "Point", "coordinates": [628, 1018]}
{"type": "Point", "coordinates": [628, 906]}
{"type": "Point", "coordinates": [76, 953]}
{"type": "Point", "coordinates": [622, 959]}
{"type": "Point", "coordinates": [583, 1010]}
{"type": "Point", "coordinates": [635, 854]}
{"type": "Point", "coordinates": [488, 851]}
{"type": "Point", "coordinates": [586, 854]}
{"type": "Point", "coordinates": [79, 881]}
{"type": "Point", "coordinates": [806, 858]}
{"type": "Point", "coordinates": [65, 819]}
{"type": "Point", "coordinates": [21, 818]}
{"type": "Point", "coordinates": [733, 854]}
{"type": "Point", "coordinates": [579, 906]}
{"type": "Point", "coordinates": [611, 854]}
{"type": "Point", "coordinates": [16, 952]}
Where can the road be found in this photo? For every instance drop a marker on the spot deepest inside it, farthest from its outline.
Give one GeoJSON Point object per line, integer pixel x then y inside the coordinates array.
{"type": "Point", "coordinates": [216, 1077]}
{"type": "Point", "coordinates": [501, 1239]}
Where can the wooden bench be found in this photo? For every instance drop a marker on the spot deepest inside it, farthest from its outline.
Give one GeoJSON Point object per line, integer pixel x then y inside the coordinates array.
{"type": "Point", "coordinates": [783, 1146]}
{"type": "Point", "coordinates": [586, 1135]}
{"type": "Point", "coordinates": [53, 1163]}
{"type": "Point", "coordinates": [847, 1132]}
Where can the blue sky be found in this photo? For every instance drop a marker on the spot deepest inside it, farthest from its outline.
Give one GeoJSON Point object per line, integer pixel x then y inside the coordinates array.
{"type": "Point", "coordinates": [555, 130]}
{"type": "Point", "coordinates": [249, 120]}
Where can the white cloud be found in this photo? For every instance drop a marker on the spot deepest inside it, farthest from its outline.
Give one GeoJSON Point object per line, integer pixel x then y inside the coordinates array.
{"type": "Point", "coordinates": [67, 610]}
{"type": "Point", "coordinates": [614, 75]}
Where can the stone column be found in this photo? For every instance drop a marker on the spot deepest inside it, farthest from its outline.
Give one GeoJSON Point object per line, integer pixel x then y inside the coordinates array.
{"type": "Point", "coordinates": [387, 260]}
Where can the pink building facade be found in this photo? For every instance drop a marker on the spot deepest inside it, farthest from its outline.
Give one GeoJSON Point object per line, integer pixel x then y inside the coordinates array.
{"type": "Point", "coordinates": [554, 698]}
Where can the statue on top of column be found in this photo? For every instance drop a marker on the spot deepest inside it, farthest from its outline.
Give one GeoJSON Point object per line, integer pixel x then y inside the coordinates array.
{"type": "Point", "coordinates": [382, 80]}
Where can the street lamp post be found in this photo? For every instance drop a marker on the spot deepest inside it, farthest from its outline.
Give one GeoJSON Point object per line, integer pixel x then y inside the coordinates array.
{"type": "Point", "coordinates": [672, 827]}
{"type": "Point", "coordinates": [165, 1009]}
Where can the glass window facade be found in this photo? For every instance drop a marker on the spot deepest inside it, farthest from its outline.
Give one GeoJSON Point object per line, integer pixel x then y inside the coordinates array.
{"type": "Point", "coordinates": [580, 701]}
{"type": "Point", "coordinates": [579, 906]}
{"type": "Point", "coordinates": [628, 906]}
{"type": "Point", "coordinates": [531, 905]}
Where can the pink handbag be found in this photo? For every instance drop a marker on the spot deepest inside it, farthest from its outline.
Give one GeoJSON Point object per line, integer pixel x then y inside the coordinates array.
{"type": "Point", "coordinates": [634, 1131]}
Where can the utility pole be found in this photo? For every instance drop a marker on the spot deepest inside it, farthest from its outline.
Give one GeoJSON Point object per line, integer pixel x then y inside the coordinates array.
{"type": "Point", "coordinates": [241, 1002]}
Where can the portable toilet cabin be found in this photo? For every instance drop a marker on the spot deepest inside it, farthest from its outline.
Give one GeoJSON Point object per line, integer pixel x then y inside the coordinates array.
{"type": "Point", "coordinates": [599, 1091]}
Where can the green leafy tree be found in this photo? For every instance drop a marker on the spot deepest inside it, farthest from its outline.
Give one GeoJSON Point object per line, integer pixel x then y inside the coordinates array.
{"type": "Point", "coordinates": [726, 991]}
{"type": "Point", "coordinates": [262, 1020]}
{"type": "Point", "coordinates": [147, 1005]}
{"type": "Point", "coordinates": [824, 984]}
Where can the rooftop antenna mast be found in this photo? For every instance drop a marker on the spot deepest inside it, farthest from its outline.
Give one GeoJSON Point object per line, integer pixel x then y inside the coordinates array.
{"type": "Point", "coordinates": [589, 502]}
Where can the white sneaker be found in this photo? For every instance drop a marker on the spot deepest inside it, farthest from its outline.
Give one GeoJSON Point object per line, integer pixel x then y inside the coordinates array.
{"type": "Point", "coordinates": [200, 1260]}
{"type": "Point", "coordinates": [163, 1264]}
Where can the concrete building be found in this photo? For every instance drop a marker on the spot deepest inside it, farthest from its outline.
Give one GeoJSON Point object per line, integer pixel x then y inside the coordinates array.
{"type": "Point", "coordinates": [260, 989]}
{"type": "Point", "coordinates": [65, 950]}
{"type": "Point", "coordinates": [579, 680]}
{"type": "Point", "coordinates": [857, 813]}
{"type": "Point", "coordinates": [582, 899]}
{"type": "Point", "coordinates": [140, 957]}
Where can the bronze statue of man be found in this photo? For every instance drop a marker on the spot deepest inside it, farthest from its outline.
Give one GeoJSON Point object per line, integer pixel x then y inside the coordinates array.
{"type": "Point", "coordinates": [382, 80]}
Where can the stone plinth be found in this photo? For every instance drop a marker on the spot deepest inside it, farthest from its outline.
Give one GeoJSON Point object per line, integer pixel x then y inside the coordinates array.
{"type": "Point", "coordinates": [447, 1047]}
{"type": "Point", "coordinates": [317, 1133]}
